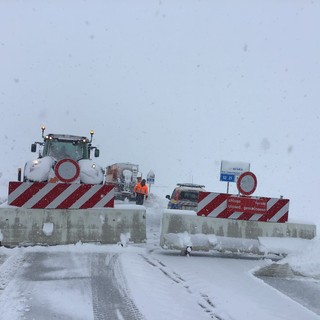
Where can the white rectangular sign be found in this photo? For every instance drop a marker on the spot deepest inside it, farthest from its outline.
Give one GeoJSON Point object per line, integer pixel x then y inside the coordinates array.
{"type": "Point", "coordinates": [230, 171]}
{"type": "Point", "coordinates": [150, 177]}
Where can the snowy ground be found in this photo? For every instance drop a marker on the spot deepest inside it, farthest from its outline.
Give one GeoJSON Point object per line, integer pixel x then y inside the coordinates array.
{"type": "Point", "coordinates": [87, 281]}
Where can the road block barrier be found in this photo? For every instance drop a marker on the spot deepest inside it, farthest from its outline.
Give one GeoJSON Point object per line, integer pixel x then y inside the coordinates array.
{"type": "Point", "coordinates": [228, 206]}
{"type": "Point", "coordinates": [181, 230]}
{"type": "Point", "coordinates": [23, 227]}
{"type": "Point", "coordinates": [41, 195]}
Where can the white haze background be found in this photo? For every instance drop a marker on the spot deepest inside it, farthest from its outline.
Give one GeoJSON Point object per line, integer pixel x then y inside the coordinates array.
{"type": "Point", "coordinates": [174, 86]}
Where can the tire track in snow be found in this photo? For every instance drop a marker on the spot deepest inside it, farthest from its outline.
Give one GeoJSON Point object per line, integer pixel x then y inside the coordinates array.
{"type": "Point", "coordinates": [9, 268]}
{"type": "Point", "coordinates": [202, 299]}
{"type": "Point", "coordinates": [12, 301]}
{"type": "Point", "coordinates": [110, 296]}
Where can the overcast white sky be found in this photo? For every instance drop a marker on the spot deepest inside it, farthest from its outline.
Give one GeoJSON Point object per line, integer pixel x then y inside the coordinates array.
{"type": "Point", "coordinates": [174, 86]}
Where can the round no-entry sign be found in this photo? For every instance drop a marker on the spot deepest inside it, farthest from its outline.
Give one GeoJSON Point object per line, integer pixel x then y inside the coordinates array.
{"type": "Point", "coordinates": [247, 183]}
{"type": "Point", "coordinates": [67, 170]}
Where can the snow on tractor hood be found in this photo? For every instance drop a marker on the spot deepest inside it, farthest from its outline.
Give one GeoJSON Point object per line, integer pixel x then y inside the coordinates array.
{"type": "Point", "coordinates": [90, 172]}
{"type": "Point", "coordinates": [38, 170]}
{"type": "Point", "coordinates": [42, 169]}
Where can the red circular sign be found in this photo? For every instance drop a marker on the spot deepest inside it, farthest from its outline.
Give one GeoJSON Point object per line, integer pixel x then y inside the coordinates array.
{"type": "Point", "coordinates": [247, 183]}
{"type": "Point", "coordinates": [67, 170]}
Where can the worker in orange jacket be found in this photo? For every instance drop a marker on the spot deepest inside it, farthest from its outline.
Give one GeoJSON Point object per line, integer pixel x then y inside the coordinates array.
{"type": "Point", "coordinates": [141, 191]}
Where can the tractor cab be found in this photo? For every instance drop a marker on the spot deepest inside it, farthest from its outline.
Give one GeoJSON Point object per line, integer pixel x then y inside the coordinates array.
{"type": "Point", "coordinates": [62, 146]}
{"type": "Point", "coordinates": [64, 158]}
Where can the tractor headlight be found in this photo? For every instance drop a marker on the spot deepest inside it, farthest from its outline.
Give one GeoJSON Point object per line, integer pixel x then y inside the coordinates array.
{"type": "Point", "coordinates": [35, 164]}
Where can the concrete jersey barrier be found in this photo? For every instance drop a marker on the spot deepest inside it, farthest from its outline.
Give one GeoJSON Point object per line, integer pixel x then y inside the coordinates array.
{"type": "Point", "coordinates": [20, 226]}
{"type": "Point", "coordinates": [180, 230]}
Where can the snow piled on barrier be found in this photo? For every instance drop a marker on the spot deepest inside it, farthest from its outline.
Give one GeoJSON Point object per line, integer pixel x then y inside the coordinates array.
{"type": "Point", "coordinates": [306, 261]}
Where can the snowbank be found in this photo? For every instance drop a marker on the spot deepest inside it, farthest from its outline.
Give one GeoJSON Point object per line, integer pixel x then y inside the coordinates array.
{"type": "Point", "coordinates": [306, 261]}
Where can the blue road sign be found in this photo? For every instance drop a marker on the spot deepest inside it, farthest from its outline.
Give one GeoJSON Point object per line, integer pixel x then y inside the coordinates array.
{"type": "Point", "coordinates": [227, 177]}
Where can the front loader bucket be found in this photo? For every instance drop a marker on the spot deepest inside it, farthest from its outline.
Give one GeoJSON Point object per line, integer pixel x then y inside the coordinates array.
{"type": "Point", "coordinates": [21, 226]}
{"type": "Point", "coordinates": [180, 231]}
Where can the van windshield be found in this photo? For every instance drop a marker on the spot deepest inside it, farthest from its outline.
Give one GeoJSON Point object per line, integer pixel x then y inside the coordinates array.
{"type": "Point", "coordinates": [189, 195]}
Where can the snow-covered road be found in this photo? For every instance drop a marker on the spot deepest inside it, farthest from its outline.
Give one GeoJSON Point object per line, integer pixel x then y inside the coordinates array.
{"type": "Point", "coordinates": [88, 281]}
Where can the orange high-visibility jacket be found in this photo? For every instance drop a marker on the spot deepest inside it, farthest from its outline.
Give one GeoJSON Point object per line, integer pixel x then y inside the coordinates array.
{"type": "Point", "coordinates": [138, 188]}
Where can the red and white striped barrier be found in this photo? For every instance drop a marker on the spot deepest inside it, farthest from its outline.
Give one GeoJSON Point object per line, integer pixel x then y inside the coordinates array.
{"type": "Point", "coordinates": [227, 206]}
{"type": "Point", "coordinates": [41, 195]}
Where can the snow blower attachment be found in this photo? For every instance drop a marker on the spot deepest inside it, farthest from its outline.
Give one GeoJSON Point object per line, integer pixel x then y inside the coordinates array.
{"type": "Point", "coordinates": [234, 223]}
{"type": "Point", "coordinates": [63, 199]}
